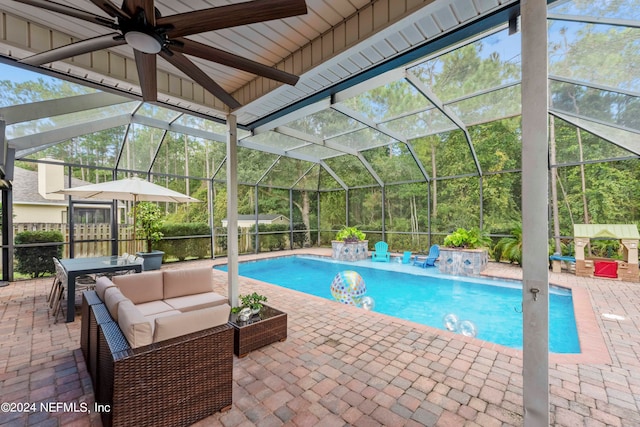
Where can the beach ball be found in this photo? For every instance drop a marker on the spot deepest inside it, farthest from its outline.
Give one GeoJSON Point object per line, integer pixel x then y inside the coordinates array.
{"type": "Point", "coordinates": [368, 303]}
{"type": "Point", "coordinates": [467, 328]}
{"type": "Point", "coordinates": [450, 322]}
{"type": "Point", "coordinates": [348, 287]}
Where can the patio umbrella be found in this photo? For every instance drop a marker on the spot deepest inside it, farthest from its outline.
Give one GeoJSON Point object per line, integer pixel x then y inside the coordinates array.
{"type": "Point", "coordinates": [132, 189]}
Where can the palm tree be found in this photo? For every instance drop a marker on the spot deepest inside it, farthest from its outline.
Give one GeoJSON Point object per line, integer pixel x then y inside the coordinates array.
{"type": "Point", "coordinates": [510, 248]}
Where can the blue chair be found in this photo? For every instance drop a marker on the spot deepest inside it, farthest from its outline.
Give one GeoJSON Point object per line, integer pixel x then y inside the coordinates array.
{"type": "Point", "coordinates": [381, 253]}
{"type": "Point", "coordinates": [430, 260]}
{"type": "Point", "coordinates": [406, 257]}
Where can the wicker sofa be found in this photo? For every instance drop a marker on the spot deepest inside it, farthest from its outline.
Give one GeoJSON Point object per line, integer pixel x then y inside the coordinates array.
{"type": "Point", "coordinates": [156, 366]}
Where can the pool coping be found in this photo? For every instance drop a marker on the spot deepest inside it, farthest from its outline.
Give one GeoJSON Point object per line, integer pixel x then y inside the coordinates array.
{"type": "Point", "coordinates": [592, 344]}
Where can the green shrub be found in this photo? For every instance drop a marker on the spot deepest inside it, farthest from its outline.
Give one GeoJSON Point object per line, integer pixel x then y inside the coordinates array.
{"type": "Point", "coordinates": [300, 236]}
{"type": "Point", "coordinates": [197, 247]}
{"type": "Point", "coordinates": [38, 260]}
{"type": "Point", "coordinates": [270, 242]}
{"type": "Point", "coordinates": [221, 238]}
{"type": "Point", "coordinates": [606, 248]}
{"type": "Point", "coordinates": [510, 248]}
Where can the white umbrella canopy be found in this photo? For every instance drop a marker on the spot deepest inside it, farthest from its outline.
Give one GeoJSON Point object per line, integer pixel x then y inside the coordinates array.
{"type": "Point", "coordinates": [132, 189]}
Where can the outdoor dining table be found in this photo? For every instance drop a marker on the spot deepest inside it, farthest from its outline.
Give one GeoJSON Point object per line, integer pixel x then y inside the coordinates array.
{"type": "Point", "coordinates": [75, 267]}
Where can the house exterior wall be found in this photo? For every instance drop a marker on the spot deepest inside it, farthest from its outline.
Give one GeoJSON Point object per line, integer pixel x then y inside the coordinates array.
{"type": "Point", "coordinates": [248, 223]}
{"type": "Point", "coordinates": [55, 214]}
{"type": "Point", "coordinates": [50, 179]}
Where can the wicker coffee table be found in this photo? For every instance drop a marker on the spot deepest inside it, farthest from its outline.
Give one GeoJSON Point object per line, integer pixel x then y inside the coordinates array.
{"type": "Point", "coordinates": [266, 327]}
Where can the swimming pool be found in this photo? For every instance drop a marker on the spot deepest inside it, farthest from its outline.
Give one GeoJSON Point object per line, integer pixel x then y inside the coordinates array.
{"type": "Point", "coordinates": [493, 306]}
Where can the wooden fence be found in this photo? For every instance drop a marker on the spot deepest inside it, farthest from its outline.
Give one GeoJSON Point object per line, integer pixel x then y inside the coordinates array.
{"type": "Point", "coordinates": [95, 239]}
{"type": "Point", "coordinates": [90, 239]}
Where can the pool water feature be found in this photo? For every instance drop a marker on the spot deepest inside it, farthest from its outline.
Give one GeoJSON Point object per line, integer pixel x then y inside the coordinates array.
{"type": "Point", "coordinates": [493, 306]}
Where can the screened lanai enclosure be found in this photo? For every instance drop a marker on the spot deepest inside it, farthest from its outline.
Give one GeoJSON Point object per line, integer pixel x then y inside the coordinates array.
{"type": "Point", "coordinates": [408, 155]}
{"type": "Point", "coordinates": [407, 119]}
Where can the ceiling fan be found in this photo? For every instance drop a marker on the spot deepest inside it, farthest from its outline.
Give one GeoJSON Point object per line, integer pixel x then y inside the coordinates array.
{"type": "Point", "coordinates": [139, 24]}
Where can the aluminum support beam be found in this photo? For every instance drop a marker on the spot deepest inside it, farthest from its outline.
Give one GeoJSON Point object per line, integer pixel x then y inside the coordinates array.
{"type": "Point", "coordinates": [177, 128]}
{"type": "Point", "coordinates": [448, 112]}
{"type": "Point", "coordinates": [232, 210]}
{"type": "Point", "coordinates": [370, 84]}
{"type": "Point", "coordinates": [627, 23]}
{"type": "Point", "coordinates": [279, 151]}
{"type": "Point", "coordinates": [65, 133]}
{"type": "Point", "coordinates": [7, 236]}
{"type": "Point", "coordinates": [564, 115]}
{"type": "Point", "coordinates": [593, 85]}
{"type": "Point", "coordinates": [334, 175]}
{"type": "Point", "coordinates": [211, 210]}
{"type": "Point", "coordinates": [359, 117]}
{"type": "Point", "coordinates": [631, 144]}
{"type": "Point", "coordinates": [535, 201]}
{"type": "Point", "coordinates": [370, 169]}
{"type": "Point", "coordinates": [384, 130]}
{"type": "Point", "coordinates": [295, 115]}
{"type": "Point", "coordinates": [73, 104]}
{"type": "Point", "coordinates": [313, 140]}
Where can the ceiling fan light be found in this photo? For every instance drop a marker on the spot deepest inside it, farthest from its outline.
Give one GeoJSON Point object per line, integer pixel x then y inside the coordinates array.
{"type": "Point", "coordinates": [143, 42]}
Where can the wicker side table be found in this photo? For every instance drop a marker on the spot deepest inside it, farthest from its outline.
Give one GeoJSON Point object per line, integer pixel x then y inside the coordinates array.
{"type": "Point", "coordinates": [266, 327]}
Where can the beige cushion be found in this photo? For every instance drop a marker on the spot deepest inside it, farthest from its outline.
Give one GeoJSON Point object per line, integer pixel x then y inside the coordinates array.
{"type": "Point", "coordinates": [153, 307]}
{"type": "Point", "coordinates": [179, 283]}
{"type": "Point", "coordinates": [196, 302]}
{"type": "Point", "coordinates": [112, 298]}
{"type": "Point", "coordinates": [142, 287]}
{"type": "Point", "coordinates": [193, 321]}
{"type": "Point", "coordinates": [135, 327]}
{"type": "Point", "coordinates": [152, 317]}
{"type": "Point", "coordinates": [102, 283]}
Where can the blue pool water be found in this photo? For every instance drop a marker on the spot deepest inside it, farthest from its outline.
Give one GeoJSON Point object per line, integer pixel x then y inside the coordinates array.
{"type": "Point", "coordinates": [492, 305]}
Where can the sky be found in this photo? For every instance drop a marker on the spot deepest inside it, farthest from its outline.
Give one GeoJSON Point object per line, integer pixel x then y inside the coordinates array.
{"type": "Point", "coordinates": [19, 75]}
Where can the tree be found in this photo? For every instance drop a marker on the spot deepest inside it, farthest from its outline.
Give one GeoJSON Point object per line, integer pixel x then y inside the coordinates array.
{"type": "Point", "coordinates": [149, 219]}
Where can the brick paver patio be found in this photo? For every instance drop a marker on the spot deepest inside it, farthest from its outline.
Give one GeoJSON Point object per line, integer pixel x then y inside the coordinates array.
{"type": "Point", "coordinates": [344, 366]}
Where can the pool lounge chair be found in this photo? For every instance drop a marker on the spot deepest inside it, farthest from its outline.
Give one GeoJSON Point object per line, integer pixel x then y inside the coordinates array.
{"type": "Point", "coordinates": [430, 260]}
{"type": "Point", "coordinates": [381, 253]}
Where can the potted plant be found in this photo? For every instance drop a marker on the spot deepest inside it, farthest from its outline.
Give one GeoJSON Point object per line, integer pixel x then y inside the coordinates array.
{"type": "Point", "coordinates": [472, 238]}
{"type": "Point", "coordinates": [464, 252]}
{"type": "Point", "coordinates": [349, 245]}
{"type": "Point", "coordinates": [149, 219]}
{"type": "Point", "coordinates": [350, 235]}
{"type": "Point", "coordinates": [250, 304]}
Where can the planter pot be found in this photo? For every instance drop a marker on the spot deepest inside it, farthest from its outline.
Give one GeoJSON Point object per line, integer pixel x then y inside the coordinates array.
{"type": "Point", "coordinates": [152, 260]}
{"type": "Point", "coordinates": [355, 251]}
{"type": "Point", "coordinates": [463, 262]}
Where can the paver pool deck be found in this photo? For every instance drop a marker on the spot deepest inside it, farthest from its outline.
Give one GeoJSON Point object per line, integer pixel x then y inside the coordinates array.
{"type": "Point", "coordinates": [344, 366]}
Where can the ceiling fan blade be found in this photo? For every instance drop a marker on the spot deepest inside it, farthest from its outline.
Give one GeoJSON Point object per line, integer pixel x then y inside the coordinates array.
{"type": "Point", "coordinates": [183, 64]}
{"type": "Point", "coordinates": [111, 9]}
{"type": "Point", "coordinates": [209, 53]}
{"type": "Point", "coordinates": [70, 11]}
{"type": "Point", "coordinates": [146, 65]}
{"type": "Point", "coordinates": [75, 49]}
{"type": "Point", "coordinates": [215, 18]}
{"type": "Point", "coordinates": [132, 6]}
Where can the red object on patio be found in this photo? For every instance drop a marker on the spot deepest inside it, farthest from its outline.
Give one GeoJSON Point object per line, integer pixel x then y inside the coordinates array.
{"type": "Point", "coordinates": [606, 269]}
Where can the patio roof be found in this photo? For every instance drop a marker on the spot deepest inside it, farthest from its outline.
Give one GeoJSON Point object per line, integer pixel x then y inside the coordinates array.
{"type": "Point", "coordinates": [331, 43]}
